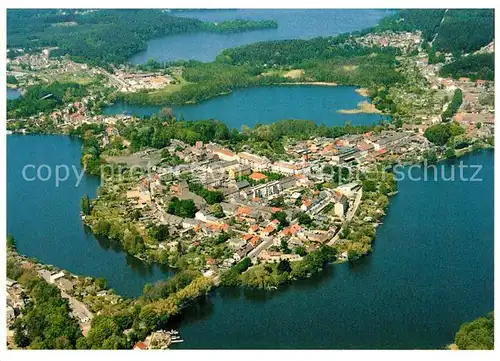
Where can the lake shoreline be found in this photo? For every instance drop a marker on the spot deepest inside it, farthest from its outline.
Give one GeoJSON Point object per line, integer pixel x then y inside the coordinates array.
{"type": "Point", "coordinates": [289, 100]}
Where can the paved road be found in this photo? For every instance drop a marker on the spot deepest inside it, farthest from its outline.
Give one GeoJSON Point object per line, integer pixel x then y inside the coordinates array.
{"type": "Point", "coordinates": [357, 202]}
{"type": "Point", "coordinates": [350, 214]}
{"type": "Point", "coordinates": [256, 251]}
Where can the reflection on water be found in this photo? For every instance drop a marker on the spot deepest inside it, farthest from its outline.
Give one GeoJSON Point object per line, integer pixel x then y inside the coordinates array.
{"type": "Point", "coordinates": [105, 243]}
{"type": "Point", "coordinates": [267, 104]}
{"type": "Point", "coordinates": [146, 269]}
{"type": "Point", "coordinates": [45, 219]}
{"type": "Point", "coordinates": [292, 24]}
{"type": "Point", "coordinates": [360, 265]}
{"type": "Point", "coordinates": [201, 309]}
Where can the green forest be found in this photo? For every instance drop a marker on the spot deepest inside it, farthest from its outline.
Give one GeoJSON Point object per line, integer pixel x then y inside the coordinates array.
{"type": "Point", "coordinates": [96, 37]}
{"type": "Point", "coordinates": [440, 134]}
{"type": "Point", "coordinates": [258, 65]}
{"type": "Point", "coordinates": [479, 66]}
{"type": "Point", "coordinates": [45, 98]}
{"type": "Point", "coordinates": [323, 59]}
{"type": "Point", "coordinates": [103, 37]}
{"type": "Point", "coordinates": [465, 30]}
{"type": "Point", "coordinates": [151, 132]}
{"type": "Point", "coordinates": [46, 322]}
{"type": "Point", "coordinates": [455, 31]}
{"type": "Point", "coordinates": [454, 105]}
{"type": "Point", "coordinates": [426, 20]}
{"type": "Point", "coordinates": [477, 335]}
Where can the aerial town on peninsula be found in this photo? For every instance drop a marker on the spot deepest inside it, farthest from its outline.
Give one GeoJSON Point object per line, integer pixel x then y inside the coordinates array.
{"type": "Point", "coordinates": [217, 205]}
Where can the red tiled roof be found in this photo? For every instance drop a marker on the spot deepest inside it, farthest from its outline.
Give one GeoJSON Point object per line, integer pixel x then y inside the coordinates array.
{"type": "Point", "coordinates": [255, 240]}
{"type": "Point", "coordinates": [140, 345]}
{"type": "Point", "coordinates": [292, 230]}
{"type": "Point", "coordinates": [269, 229]}
{"type": "Point", "coordinates": [257, 176]}
{"type": "Point", "coordinates": [243, 211]}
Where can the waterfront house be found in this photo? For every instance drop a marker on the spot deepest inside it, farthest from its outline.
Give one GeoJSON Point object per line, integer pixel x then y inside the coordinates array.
{"type": "Point", "coordinates": [140, 346]}
{"type": "Point", "coordinates": [54, 277]}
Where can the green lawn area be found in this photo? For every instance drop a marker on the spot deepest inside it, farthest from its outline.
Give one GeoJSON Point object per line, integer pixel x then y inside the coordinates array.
{"type": "Point", "coordinates": [80, 77]}
{"type": "Point", "coordinates": [159, 95]}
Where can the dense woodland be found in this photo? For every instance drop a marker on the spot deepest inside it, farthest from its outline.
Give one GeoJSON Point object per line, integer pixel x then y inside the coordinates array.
{"type": "Point", "coordinates": [426, 20]}
{"type": "Point", "coordinates": [46, 322]}
{"type": "Point", "coordinates": [264, 63]}
{"type": "Point", "coordinates": [96, 37]}
{"type": "Point", "coordinates": [479, 66]}
{"type": "Point", "coordinates": [113, 36]}
{"type": "Point", "coordinates": [323, 59]}
{"type": "Point", "coordinates": [44, 98]}
{"type": "Point", "coordinates": [465, 30]}
{"type": "Point", "coordinates": [151, 132]}
{"type": "Point", "coordinates": [440, 134]}
{"type": "Point", "coordinates": [101, 37]}
{"type": "Point", "coordinates": [454, 31]}
{"type": "Point", "coordinates": [454, 105]}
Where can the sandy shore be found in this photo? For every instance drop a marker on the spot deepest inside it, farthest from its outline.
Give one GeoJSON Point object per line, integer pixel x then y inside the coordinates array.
{"type": "Point", "coordinates": [364, 92]}
{"type": "Point", "coordinates": [363, 107]}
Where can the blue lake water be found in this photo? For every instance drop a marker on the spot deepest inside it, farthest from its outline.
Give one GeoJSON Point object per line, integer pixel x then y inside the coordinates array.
{"type": "Point", "coordinates": [431, 270]}
{"type": "Point", "coordinates": [292, 24]}
{"type": "Point", "coordinates": [44, 219]}
{"type": "Point", "coordinates": [432, 265]}
{"type": "Point", "coordinates": [269, 104]}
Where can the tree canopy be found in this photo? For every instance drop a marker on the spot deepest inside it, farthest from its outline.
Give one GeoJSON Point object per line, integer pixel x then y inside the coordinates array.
{"type": "Point", "coordinates": [477, 334]}
{"type": "Point", "coordinates": [478, 66]}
